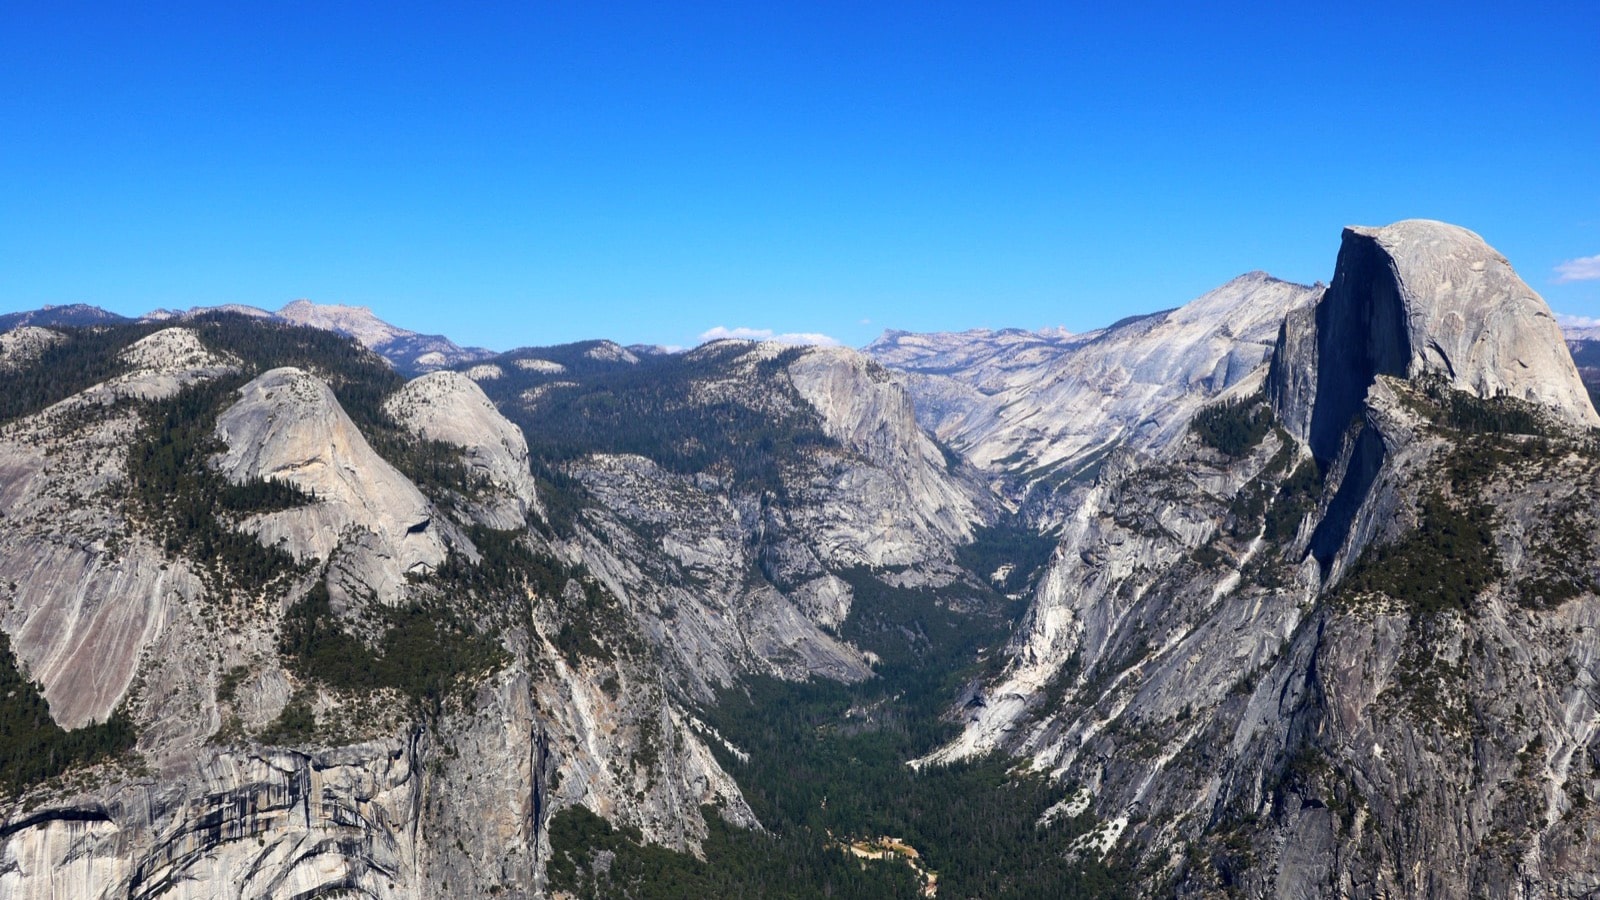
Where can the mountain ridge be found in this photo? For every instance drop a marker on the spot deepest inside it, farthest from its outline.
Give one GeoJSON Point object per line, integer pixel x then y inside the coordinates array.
{"type": "Point", "coordinates": [586, 620]}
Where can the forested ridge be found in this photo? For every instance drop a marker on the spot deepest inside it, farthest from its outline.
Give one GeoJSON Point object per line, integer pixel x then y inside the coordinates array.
{"type": "Point", "coordinates": [651, 408]}
{"type": "Point", "coordinates": [827, 764]}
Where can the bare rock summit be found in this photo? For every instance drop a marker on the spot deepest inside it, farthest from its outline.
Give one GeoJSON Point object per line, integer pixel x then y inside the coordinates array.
{"type": "Point", "coordinates": [1413, 299]}
{"type": "Point", "coordinates": [288, 425]}
{"type": "Point", "coordinates": [450, 407]}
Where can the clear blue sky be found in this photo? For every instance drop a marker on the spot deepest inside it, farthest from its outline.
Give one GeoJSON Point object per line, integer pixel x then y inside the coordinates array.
{"type": "Point", "coordinates": [528, 173]}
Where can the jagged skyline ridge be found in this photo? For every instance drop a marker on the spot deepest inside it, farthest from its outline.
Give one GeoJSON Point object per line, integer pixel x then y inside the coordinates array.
{"type": "Point", "coordinates": [515, 175]}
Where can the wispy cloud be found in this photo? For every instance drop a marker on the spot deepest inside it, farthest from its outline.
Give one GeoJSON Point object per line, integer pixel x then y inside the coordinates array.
{"type": "Point", "coordinates": [721, 333]}
{"type": "Point", "coordinates": [1584, 268]}
{"type": "Point", "coordinates": [1566, 321]}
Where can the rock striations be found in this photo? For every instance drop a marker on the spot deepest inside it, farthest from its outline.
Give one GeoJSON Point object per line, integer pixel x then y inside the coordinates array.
{"type": "Point", "coordinates": [1320, 619]}
{"type": "Point", "coordinates": [1348, 656]}
{"type": "Point", "coordinates": [1047, 409]}
{"type": "Point", "coordinates": [1413, 299]}
{"type": "Point", "coordinates": [1417, 300]}
{"type": "Point", "coordinates": [450, 407]}
{"type": "Point", "coordinates": [287, 425]}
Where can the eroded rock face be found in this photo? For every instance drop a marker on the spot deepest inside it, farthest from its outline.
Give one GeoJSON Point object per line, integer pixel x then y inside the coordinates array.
{"type": "Point", "coordinates": [678, 550]}
{"type": "Point", "coordinates": [85, 599]}
{"type": "Point", "coordinates": [1186, 658]}
{"type": "Point", "coordinates": [1194, 659]}
{"type": "Point", "coordinates": [450, 407]}
{"type": "Point", "coordinates": [288, 425]}
{"type": "Point", "coordinates": [374, 803]}
{"type": "Point", "coordinates": [281, 823]}
{"type": "Point", "coordinates": [908, 495]}
{"type": "Point", "coordinates": [1051, 406]}
{"type": "Point", "coordinates": [1420, 298]}
{"type": "Point", "coordinates": [1124, 618]}
{"type": "Point", "coordinates": [1414, 300]}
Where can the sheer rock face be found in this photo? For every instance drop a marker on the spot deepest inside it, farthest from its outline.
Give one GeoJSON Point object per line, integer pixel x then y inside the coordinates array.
{"type": "Point", "coordinates": [87, 600]}
{"type": "Point", "coordinates": [1200, 673]}
{"type": "Point", "coordinates": [1381, 735]}
{"type": "Point", "coordinates": [678, 550]}
{"type": "Point", "coordinates": [288, 425]}
{"type": "Point", "coordinates": [905, 503]}
{"type": "Point", "coordinates": [1421, 298]}
{"type": "Point", "coordinates": [379, 806]}
{"type": "Point", "coordinates": [1414, 300]}
{"type": "Point", "coordinates": [450, 407]}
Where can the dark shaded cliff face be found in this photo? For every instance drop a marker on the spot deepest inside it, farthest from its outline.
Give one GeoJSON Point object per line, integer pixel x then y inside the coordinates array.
{"type": "Point", "coordinates": [1365, 462]}
{"type": "Point", "coordinates": [1241, 673]}
{"type": "Point", "coordinates": [1361, 334]}
{"type": "Point", "coordinates": [1413, 300]}
{"type": "Point", "coordinates": [1354, 655]}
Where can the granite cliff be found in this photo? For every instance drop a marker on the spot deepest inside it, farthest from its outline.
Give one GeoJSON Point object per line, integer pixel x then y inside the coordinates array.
{"type": "Point", "coordinates": [357, 650]}
{"type": "Point", "coordinates": [1332, 639]}
{"type": "Point", "coordinates": [1302, 602]}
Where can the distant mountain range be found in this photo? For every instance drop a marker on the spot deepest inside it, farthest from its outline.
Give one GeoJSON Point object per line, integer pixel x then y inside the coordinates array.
{"type": "Point", "coordinates": [985, 361]}
{"type": "Point", "coordinates": [408, 351]}
{"type": "Point", "coordinates": [76, 314]}
{"type": "Point", "coordinates": [1290, 591]}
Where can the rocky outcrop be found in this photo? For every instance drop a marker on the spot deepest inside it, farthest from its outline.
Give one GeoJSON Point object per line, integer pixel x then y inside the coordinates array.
{"type": "Point", "coordinates": [24, 344]}
{"type": "Point", "coordinates": [1195, 657]}
{"type": "Point", "coordinates": [1389, 731]}
{"type": "Point", "coordinates": [370, 819]}
{"type": "Point", "coordinates": [610, 351]}
{"type": "Point", "coordinates": [161, 365]}
{"type": "Point", "coordinates": [450, 407]}
{"type": "Point", "coordinates": [287, 425]}
{"type": "Point", "coordinates": [377, 799]}
{"type": "Point", "coordinates": [679, 551]}
{"type": "Point", "coordinates": [907, 493]}
{"type": "Point", "coordinates": [542, 366]}
{"type": "Point", "coordinates": [1123, 615]}
{"type": "Point", "coordinates": [1244, 703]}
{"type": "Point", "coordinates": [88, 596]}
{"type": "Point", "coordinates": [406, 350]}
{"type": "Point", "coordinates": [1413, 299]}
{"type": "Point", "coordinates": [729, 575]}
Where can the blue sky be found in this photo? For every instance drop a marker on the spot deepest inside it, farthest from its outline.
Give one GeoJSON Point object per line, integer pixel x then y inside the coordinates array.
{"type": "Point", "coordinates": [529, 173]}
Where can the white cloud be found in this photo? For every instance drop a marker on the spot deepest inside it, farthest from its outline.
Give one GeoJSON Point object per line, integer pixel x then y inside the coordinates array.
{"type": "Point", "coordinates": [722, 333]}
{"type": "Point", "coordinates": [1584, 268]}
{"type": "Point", "coordinates": [1566, 321]}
